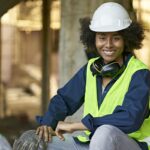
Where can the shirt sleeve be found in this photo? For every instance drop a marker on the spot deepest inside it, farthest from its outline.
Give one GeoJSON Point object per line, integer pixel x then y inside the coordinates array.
{"type": "Point", "coordinates": [130, 116]}
{"type": "Point", "coordinates": [66, 102]}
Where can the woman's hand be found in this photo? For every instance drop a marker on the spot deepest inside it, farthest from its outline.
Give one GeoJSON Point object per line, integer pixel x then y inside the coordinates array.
{"type": "Point", "coordinates": [45, 132]}
{"type": "Point", "coordinates": [67, 127]}
{"type": "Point", "coordinates": [63, 127]}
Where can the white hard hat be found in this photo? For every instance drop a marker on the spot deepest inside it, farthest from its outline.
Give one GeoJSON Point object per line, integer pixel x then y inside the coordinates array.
{"type": "Point", "coordinates": [110, 17]}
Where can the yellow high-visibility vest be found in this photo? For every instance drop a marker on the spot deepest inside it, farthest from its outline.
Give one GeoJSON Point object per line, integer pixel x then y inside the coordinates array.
{"type": "Point", "coordinates": [114, 97]}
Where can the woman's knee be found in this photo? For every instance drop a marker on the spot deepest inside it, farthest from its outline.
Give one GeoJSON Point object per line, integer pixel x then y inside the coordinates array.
{"type": "Point", "coordinates": [106, 131]}
{"type": "Point", "coordinates": [105, 134]}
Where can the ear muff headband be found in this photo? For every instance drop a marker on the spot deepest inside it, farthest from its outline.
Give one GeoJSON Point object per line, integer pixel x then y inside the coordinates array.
{"type": "Point", "coordinates": [96, 67]}
{"type": "Point", "coordinates": [105, 70]}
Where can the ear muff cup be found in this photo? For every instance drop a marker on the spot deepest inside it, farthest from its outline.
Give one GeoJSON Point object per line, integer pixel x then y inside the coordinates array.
{"type": "Point", "coordinates": [105, 70]}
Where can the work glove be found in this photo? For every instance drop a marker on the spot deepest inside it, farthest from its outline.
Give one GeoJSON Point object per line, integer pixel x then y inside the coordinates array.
{"type": "Point", "coordinates": [29, 141]}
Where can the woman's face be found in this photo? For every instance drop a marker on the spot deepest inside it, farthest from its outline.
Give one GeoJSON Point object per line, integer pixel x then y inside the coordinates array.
{"type": "Point", "coordinates": [110, 46]}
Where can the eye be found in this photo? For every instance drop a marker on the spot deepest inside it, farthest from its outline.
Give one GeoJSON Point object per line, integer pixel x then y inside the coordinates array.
{"type": "Point", "coordinates": [102, 37]}
{"type": "Point", "coordinates": [117, 38]}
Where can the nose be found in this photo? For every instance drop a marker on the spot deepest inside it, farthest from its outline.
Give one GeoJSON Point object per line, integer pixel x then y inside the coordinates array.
{"type": "Point", "coordinates": [109, 43]}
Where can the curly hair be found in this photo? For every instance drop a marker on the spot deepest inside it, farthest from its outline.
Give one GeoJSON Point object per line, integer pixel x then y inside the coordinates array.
{"type": "Point", "coordinates": [133, 35]}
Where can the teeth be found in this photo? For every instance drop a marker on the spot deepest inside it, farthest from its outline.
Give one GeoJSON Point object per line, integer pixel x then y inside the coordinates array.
{"type": "Point", "coordinates": [108, 52]}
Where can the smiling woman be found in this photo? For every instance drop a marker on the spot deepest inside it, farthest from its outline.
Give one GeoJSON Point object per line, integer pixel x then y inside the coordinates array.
{"type": "Point", "coordinates": [106, 86]}
{"type": "Point", "coordinates": [113, 87]}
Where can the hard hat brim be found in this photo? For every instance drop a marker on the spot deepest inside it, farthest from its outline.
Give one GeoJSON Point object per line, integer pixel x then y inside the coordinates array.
{"type": "Point", "coordinates": [109, 28]}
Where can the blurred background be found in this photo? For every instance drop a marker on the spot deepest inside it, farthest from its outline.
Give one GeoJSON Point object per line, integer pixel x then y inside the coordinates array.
{"type": "Point", "coordinates": [40, 50]}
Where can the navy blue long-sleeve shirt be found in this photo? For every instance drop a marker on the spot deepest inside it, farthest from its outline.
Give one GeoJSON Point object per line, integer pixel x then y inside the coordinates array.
{"type": "Point", "coordinates": [128, 117]}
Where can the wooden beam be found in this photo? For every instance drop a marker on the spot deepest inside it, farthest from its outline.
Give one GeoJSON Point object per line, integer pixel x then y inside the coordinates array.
{"type": "Point", "coordinates": [7, 4]}
{"type": "Point", "coordinates": [45, 54]}
{"type": "Point", "coordinates": [0, 58]}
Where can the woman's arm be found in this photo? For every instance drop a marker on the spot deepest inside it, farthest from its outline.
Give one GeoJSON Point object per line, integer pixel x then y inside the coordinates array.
{"type": "Point", "coordinates": [66, 102]}
{"type": "Point", "coordinates": [66, 127]}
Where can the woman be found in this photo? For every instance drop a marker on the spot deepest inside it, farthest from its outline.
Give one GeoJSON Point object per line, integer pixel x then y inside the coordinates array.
{"type": "Point", "coordinates": [114, 88]}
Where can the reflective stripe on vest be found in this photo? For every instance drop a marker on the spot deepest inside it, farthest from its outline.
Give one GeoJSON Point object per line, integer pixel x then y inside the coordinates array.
{"type": "Point", "coordinates": [114, 97]}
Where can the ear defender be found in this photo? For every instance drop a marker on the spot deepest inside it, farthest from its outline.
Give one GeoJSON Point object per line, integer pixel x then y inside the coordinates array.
{"type": "Point", "coordinates": [105, 70]}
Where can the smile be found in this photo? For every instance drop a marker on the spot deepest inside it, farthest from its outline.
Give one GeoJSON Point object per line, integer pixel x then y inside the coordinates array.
{"type": "Point", "coordinates": [108, 52]}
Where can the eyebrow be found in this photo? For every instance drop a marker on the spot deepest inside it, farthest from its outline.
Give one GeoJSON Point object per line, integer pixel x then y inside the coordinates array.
{"type": "Point", "coordinates": [103, 34]}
